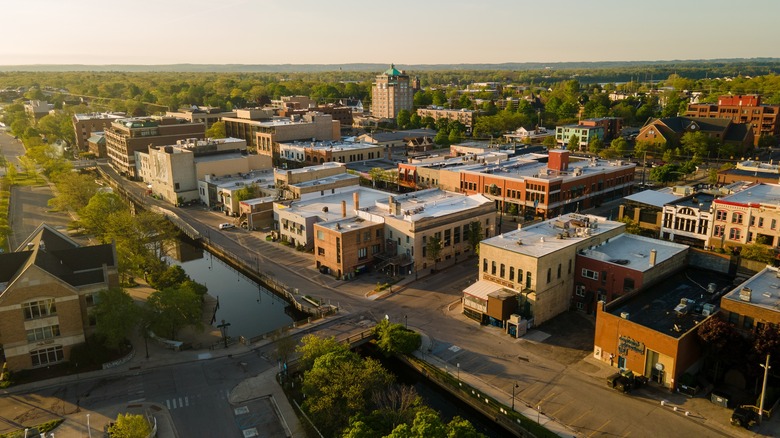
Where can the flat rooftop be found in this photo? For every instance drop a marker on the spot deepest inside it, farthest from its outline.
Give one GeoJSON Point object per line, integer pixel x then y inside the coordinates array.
{"type": "Point", "coordinates": [525, 167]}
{"type": "Point", "coordinates": [654, 308]}
{"type": "Point", "coordinates": [699, 200]}
{"type": "Point", "coordinates": [328, 180]}
{"type": "Point", "coordinates": [541, 239]}
{"type": "Point", "coordinates": [347, 224]}
{"type": "Point", "coordinates": [427, 203]}
{"type": "Point", "coordinates": [308, 169]}
{"type": "Point", "coordinates": [367, 165]}
{"type": "Point", "coordinates": [757, 194]}
{"type": "Point", "coordinates": [765, 290]}
{"type": "Point", "coordinates": [330, 145]}
{"type": "Point", "coordinates": [226, 155]}
{"type": "Point", "coordinates": [652, 197]}
{"type": "Point", "coordinates": [244, 179]}
{"type": "Point", "coordinates": [633, 252]}
{"type": "Point", "coordinates": [329, 207]}
{"type": "Point", "coordinates": [98, 116]}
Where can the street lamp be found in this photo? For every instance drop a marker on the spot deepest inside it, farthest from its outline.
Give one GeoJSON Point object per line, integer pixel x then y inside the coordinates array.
{"type": "Point", "coordinates": [458, 365]}
{"type": "Point", "coordinates": [89, 429]}
{"type": "Point", "coordinates": [513, 395]}
{"type": "Point", "coordinates": [763, 389]}
{"type": "Point", "coordinates": [538, 413]}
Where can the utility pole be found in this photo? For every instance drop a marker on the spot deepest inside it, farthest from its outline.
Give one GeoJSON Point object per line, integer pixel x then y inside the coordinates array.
{"type": "Point", "coordinates": [224, 327]}
{"type": "Point", "coordinates": [763, 390]}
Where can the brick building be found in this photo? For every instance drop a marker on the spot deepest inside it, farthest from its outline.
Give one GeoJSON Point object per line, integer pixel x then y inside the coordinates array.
{"type": "Point", "coordinates": [201, 114]}
{"type": "Point", "coordinates": [653, 332]}
{"type": "Point", "coordinates": [313, 153]}
{"type": "Point", "coordinates": [391, 93]}
{"type": "Point", "coordinates": [748, 216]}
{"type": "Point", "coordinates": [538, 261]}
{"type": "Point", "coordinates": [745, 109]}
{"type": "Point", "coordinates": [464, 116]}
{"type": "Point", "coordinates": [755, 302]}
{"type": "Point", "coordinates": [125, 137]}
{"type": "Point", "coordinates": [47, 288]}
{"type": "Point", "coordinates": [621, 265]}
{"type": "Point", "coordinates": [312, 126]}
{"type": "Point", "coordinates": [85, 124]}
{"type": "Point", "coordinates": [667, 132]}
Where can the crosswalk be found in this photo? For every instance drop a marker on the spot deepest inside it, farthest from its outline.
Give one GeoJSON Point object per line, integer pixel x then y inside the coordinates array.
{"type": "Point", "coordinates": [183, 402]}
{"type": "Point", "coordinates": [186, 401]}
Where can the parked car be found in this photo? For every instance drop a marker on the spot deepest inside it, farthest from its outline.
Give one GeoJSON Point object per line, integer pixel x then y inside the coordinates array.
{"type": "Point", "coordinates": [226, 226]}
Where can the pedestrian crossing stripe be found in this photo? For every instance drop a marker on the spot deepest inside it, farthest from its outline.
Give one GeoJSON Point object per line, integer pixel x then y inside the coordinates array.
{"type": "Point", "coordinates": [182, 403]}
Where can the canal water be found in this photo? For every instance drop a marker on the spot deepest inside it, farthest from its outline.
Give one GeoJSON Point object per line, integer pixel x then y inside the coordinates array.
{"type": "Point", "coordinates": [249, 308]}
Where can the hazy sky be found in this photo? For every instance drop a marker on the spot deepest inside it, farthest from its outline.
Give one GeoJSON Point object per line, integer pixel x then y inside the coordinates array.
{"type": "Point", "coordinates": [400, 31]}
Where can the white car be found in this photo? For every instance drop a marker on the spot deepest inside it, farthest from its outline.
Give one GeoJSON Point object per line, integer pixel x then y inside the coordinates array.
{"type": "Point", "coordinates": [226, 226]}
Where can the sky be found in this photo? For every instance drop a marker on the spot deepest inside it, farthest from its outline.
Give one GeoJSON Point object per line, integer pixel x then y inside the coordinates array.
{"type": "Point", "coordinates": [404, 32]}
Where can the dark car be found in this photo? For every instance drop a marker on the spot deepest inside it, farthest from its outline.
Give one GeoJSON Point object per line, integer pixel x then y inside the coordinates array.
{"type": "Point", "coordinates": [744, 417]}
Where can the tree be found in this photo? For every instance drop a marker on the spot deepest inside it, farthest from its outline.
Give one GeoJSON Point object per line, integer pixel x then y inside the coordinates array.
{"type": "Point", "coordinates": [549, 142]}
{"type": "Point", "coordinates": [171, 276]}
{"type": "Point", "coordinates": [595, 146]}
{"type": "Point", "coordinates": [312, 347]}
{"type": "Point", "coordinates": [251, 191]}
{"type": "Point", "coordinates": [712, 176]}
{"type": "Point", "coordinates": [475, 235]}
{"type": "Point", "coordinates": [74, 191]}
{"type": "Point", "coordinates": [767, 141]}
{"type": "Point", "coordinates": [441, 137]}
{"type": "Point", "coordinates": [758, 252]}
{"type": "Point", "coordinates": [129, 426]}
{"type": "Point", "coordinates": [395, 338]}
{"type": "Point", "coordinates": [403, 119]}
{"type": "Point", "coordinates": [631, 226]}
{"type": "Point", "coordinates": [433, 249]}
{"type": "Point", "coordinates": [609, 154]}
{"type": "Point", "coordinates": [454, 136]}
{"type": "Point", "coordinates": [217, 130]}
{"type": "Point", "coordinates": [173, 308]}
{"type": "Point", "coordinates": [697, 143]}
{"type": "Point", "coordinates": [665, 173]}
{"type": "Point", "coordinates": [94, 217]}
{"type": "Point", "coordinates": [116, 315]}
{"type": "Point", "coordinates": [620, 145]}
{"type": "Point", "coordinates": [574, 143]}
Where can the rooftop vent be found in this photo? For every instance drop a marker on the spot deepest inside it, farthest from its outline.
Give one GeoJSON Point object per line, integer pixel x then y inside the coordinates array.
{"type": "Point", "coordinates": [745, 294]}
{"type": "Point", "coordinates": [711, 288]}
{"type": "Point", "coordinates": [625, 315]}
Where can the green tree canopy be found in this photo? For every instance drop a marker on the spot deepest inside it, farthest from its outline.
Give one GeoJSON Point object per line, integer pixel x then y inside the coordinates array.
{"type": "Point", "coordinates": [116, 315]}
{"type": "Point", "coordinates": [174, 308]}
{"type": "Point", "coordinates": [474, 235]}
{"type": "Point", "coordinates": [433, 249]}
{"type": "Point", "coordinates": [94, 217]}
{"type": "Point", "coordinates": [130, 426]}
{"type": "Point", "coordinates": [217, 130]}
{"type": "Point", "coordinates": [74, 191]}
{"type": "Point", "coordinates": [394, 338]}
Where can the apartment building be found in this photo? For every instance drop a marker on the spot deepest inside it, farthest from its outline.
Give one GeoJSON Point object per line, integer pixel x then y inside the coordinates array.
{"type": "Point", "coordinates": [464, 116]}
{"type": "Point", "coordinates": [744, 109]}
{"type": "Point", "coordinates": [748, 216]}
{"type": "Point", "coordinates": [622, 265]}
{"type": "Point", "coordinates": [584, 134]}
{"type": "Point", "coordinates": [125, 137]}
{"type": "Point", "coordinates": [611, 126]}
{"type": "Point", "coordinates": [312, 126]}
{"type": "Point", "coordinates": [47, 289]}
{"type": "Point", "coordinates": [201, 114]}
{"type": "Point", "coordinates": [537, 264]}
{"type": "Point", "coordinates": [391, 92]}
{"type": "Point", "coordinates": [86, 124]}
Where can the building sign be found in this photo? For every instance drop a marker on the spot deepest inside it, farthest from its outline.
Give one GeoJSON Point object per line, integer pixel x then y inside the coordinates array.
{"type": "Point", "coordinates": [625, 343]}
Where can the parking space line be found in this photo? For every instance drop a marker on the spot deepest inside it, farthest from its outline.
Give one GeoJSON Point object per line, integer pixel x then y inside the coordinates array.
{"type": "Point", "coordinates": [598, 430]}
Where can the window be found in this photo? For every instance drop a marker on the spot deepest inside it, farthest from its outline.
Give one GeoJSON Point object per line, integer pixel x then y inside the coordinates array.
{"type": "Point", "coordinates": [549, 275]}
{"type": "Point", "coordinates": [484, 262]}
{"type": "Point", "coordinates": [92, 299]}
{"type": "Point", "coordinates": [37, 309]}
{"type": "Point", "coordinates": [718, 231]}
{"type": "Point", "coordinates": [378, 234]}
{"type": "Point", "coordinates": [375, 249]}
{"type": "Point", "coordinates": [493, 268]}
{"type": "Point", "coordinates": [760, 222]}
{"type": "Point", "coordinates": [456, 235]}
{"type": "Point", "coordinates": [47, 356]}
{"type": "Point", "coordinates": [320, 235]}
{"type": "Point", "coordinates": [734, 234]}
{"type": "Point", "coordinates": [362, 253]}
{"type": "Point", "coordinates": [720, 215]}
{"type": "Point", "coordinates": [603, 277]}
{"type": "Point", "coordinates": [39, 334]}
{"type": "Point", "coordinates": [602, 295]}
{"type": "Point", "coordinates": [628, 284]}
{"type": "Point", "coordinates": [528, 280]}
{"type": "Point", "coordinates": [502, 272]}
{"type": "Point", "coordinates": [559, 271]}
{"type": "Point", "coordinates": [580, 306]}
{"type": "Point", "coordinates": [747, 322]}
{"type": "Point", "coordinates": [367, 236]}
{"type": "Point", "coordinates": [511, 273]}
{"type": "Point", "coordinates": [320, 251]}
{"type": "Point", "coordinates": [587, 273]}
{"type": "Point", "coordinates": [773, 224]}
{"type": "Point", "coordinates": [447, 237]}
{"type": "Point", "coordinates": [407, 239]}
{"type": "Point", "coordinates": [579, 290]}
{"type": "Point", "coordinates": [736, 218]}
{"type": "Point", "coordinates": [569, 266]}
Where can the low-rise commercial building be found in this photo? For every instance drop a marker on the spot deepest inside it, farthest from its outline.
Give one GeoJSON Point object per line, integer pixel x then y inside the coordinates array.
{"type": "Point", "coordinates": [688, 219]}
{"type": "Point", "coordinates": [538, 262]}
{"type": "Point", "coordinates": [754, 303]}
{"type": "Point", "coordinates": [622, 265]}
{"type": "Point", "coordinates": [584, 135]}
{"type": "Point", "coordinates": [320, 179]}
{"type": "Point", "coordinates": [312, 126]}
{"type": "Point", "coordinates": [48, 288]}
{"type": "Point", "coordinates": [201, 114]}
{"type": "Point", "coordinates": [221, 192]}
{"type": "Point", "coordinates": [748, 216]}
{"type": "Point", "coordinates": [246, 124]}
{"type": "Point", "coordinates": [311, 153]}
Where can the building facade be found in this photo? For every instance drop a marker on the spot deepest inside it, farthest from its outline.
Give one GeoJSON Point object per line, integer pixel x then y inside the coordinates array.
{"type": "Point", "coordinates": [464, 116]}
{"type": "Point", "coordinates": [201, 114]}
{"type": "Point", "coordinates": [125, 137]}
{"type": "Point", "coordinates": [47, 289]}
{"type": "Point", "coordinates": [313, 153]}
{"type": "Point", "coordinates": [688, 220]}
{"type": "Point", "coordinates": [748, 216]}
{"type": "Point", "coordinates": [668, 131]}
{"type": "Point", "coordinates": [745, 109]}
{"type": "Point", "coordinates": [391, 93]}
{"type": "Point", "coordinates": [312, 126]}
{"type": "Point", "coordinates": [85, 124]}
{"type": "Point", "coordinates": [584, 134]}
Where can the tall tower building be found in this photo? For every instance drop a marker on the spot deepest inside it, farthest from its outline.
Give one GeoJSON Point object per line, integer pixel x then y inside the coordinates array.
{"type": "Point", "coordinates": [391, 93]}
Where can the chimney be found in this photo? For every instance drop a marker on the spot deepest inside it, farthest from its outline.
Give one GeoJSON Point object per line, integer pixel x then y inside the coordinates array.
{"type": "Point", "coordinates": [356, 200]}
{"type": "Point", "coordinates": [391, 203]}
{"type": "Point", "coordinates": [653, 256]}
{"type": "Point", "coordinates": [558, 160]}
{"type": "Point", "coordinates": [343, 208]}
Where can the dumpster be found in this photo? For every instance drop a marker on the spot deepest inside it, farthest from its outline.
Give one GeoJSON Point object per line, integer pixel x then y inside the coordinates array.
{"type": "Point", "coordinates": [720, 398]}
{"type": "Point", "coordinates": [611, 380]}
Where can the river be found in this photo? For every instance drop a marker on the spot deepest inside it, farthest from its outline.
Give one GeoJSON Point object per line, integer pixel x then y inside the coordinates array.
{"type": "Point", "coordinates": [249, 308]}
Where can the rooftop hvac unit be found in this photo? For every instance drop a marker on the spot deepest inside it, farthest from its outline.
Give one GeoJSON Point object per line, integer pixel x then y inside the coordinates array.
{"type": "Point", "coordinates": [708, 309]}
{"type": "Point", "coordinates": [625, 315]}
{"type": "Point", "coordinates": [745, 294]}
{"type": "Point", "coordinates": [711, 288]}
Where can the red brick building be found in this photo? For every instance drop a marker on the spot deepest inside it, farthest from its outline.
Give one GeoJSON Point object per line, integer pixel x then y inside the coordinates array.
{"type": "Point", "coordinates": [741, 109]}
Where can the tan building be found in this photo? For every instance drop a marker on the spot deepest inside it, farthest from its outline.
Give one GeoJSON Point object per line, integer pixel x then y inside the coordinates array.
{"type": "Point", "coordinates": [464, 116]}
{"type": "Point", "coordinates": [391, 93]}
{"type": "Point", "coordinates": [220, 192]}
{"type": "Point", "coordinates": [536, 263]}
{"type": "Point", "coordinates": [407, 221]}
{"type": "Point", "coordinates": [201, 114]}
{"type": "Point", "coordinates": [173, 172]}
{"type": "Point", "coordinates": [320, 179]}
{"type": "Point", "coordinates": [125, 137]}
{"type": "Point", "coordinates": [745, 109]}
{"type": "Point", "coordinates": [312, 126]}
{"type": "Point", "coordinates": [748, 216]}
{"type": "Point", "coordinates": [85, 124]}
{"type": "Point", "coordinates": [47, 289]}
{"type": "Point", "coordinates": [312, 153]}
{"type": "Point", "coordinates": [246, 123]}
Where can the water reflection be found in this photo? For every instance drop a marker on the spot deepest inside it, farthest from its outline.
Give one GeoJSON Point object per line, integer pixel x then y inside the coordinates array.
{"type": "Point", "coordinates": [250, 309]}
